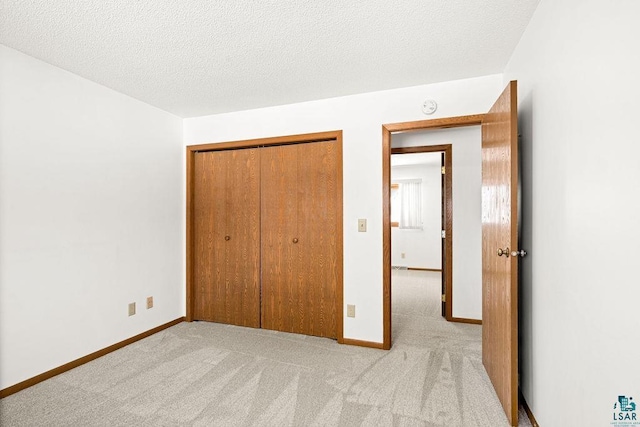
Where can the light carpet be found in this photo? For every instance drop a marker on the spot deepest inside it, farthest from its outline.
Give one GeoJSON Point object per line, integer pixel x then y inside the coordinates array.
{"type": "Point", "coordinates": [207, 374]}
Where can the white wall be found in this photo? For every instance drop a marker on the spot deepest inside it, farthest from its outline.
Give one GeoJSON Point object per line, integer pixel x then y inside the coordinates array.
{"type": "Point", "coordinates": [361, 117]}
{"type": "Point", "coordinates": [421, 248]}
{"type": "Point", "coordinates": [577, 67]}
{"type": "Point", "coordinates": [467, 210]}
{"type": "Point", "coordinates": [90, 217]}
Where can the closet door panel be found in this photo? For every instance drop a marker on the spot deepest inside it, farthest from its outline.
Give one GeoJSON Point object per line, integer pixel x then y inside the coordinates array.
{"type": "Point", "coordinates": [299, 214]}
{"type": "Point", "coordinates": [317, 219]}
{"type": "Point", "coordinates": [278, 230]}
{"type": "Point", "coordinates": [209, 216]}
{"type": "Point", "coordinates": [227, 240]}
{"type": "Point", "coordinates": [242, 238]}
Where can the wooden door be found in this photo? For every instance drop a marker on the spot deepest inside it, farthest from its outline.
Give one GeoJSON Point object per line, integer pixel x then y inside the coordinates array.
{"type": "Point", "coordinates": [300, 271]}
{"type": "Point", "coordinates": [499, 239]}
{"type": "Point", "coordinates": [318, 228]}
{"type": "Point", "coordinates": [226, 232]}
{"type": "Point", "coordinates": [279, 174]}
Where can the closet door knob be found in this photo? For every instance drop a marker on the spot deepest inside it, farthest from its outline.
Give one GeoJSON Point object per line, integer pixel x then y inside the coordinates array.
{"type": "Point", "coordinates": [295, 240]}
{"type": "Point", "coordinates": [227, 237]}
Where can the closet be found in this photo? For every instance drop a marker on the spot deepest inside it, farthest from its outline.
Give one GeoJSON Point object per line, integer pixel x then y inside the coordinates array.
{"type": "Point", "coordinates": [264, 234]}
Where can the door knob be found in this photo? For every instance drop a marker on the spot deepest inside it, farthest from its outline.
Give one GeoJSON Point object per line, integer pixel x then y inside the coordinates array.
{"type": "Point", "coordinates": [227, 237]}
{"type": "Point", "coordinates": [520, 253]}
{"type": "Point", "coordinates": [504, 252]}
{"type": "Point", "coordinates": [295, 240]}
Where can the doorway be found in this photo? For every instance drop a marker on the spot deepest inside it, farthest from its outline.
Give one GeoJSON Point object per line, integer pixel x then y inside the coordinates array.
{"type": "Point", "coordinates": [422, 223]}
{"type": "Point", "coordinates": [396, 130]}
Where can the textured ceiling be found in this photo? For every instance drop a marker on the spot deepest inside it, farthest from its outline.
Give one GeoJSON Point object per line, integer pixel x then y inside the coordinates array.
{"type": "Point", "coordinates": [198, 57]}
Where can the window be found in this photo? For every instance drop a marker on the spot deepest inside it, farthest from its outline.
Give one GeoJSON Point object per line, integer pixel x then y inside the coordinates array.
{"type": "Point", "coordinates": [395, 205]}
{"type": "Point", "coordinates": [406, 204]}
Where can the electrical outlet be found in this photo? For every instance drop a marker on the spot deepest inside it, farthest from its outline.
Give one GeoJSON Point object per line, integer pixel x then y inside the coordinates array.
{"type": "Point", "coordinates": [402, 255]}
{"type": "Point", "coordinates": [149, 302]}
{"type": "Point", "coordinates": [132, 309]}
{"type": "Point", "coordinates": [351, 310]}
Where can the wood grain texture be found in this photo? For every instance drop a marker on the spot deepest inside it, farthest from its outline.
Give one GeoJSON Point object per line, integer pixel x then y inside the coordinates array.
{"type": "Point", "coordinates": [335, 137]}
{"type": "Point", "coordinates": [386, 238]}
{"type": "Point", "coordinates": [267, 142]}
{"type": "Point", "coordinates": [339, 233]}
{"type": "Point", "coordinates": [448, 227]}
{"type": "Point", "coordinates": [280, 256]}
{"type": "Point", "coordinates": [85, 359]}
{"type": "Point", "coordinates": [317, 221]}
{"type": "Point", "coordinates": [190, 157]}
{"type": "Point", "coordinates": [207, 265]}
{"type": "Point", "coordinates": [443, 123]}
{"type": "Point", "coordinates": [421, 149]}
{"type": "Point", "coordinates": [499, 230]}
{"type": "Point", "coordinates": [242, 255]}
{"type": "Point", "coordinates": [301, 262]}
{"type": "Point", "coordinates": [226, 218]}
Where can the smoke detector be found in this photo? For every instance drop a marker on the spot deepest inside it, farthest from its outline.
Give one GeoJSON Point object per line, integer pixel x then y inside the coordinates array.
{"type": "Point", "coordinates": [429, 106]}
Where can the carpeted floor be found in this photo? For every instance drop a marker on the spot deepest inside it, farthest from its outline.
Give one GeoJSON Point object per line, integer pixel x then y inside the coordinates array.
{"type": "Point", "coordinates": [206, 374]}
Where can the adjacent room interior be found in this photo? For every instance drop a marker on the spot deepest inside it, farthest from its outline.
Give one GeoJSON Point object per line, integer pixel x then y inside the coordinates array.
{"type": "Point", "coordinates": [416, 238]}
{"type": "Point", "coordinates": [425, 246]}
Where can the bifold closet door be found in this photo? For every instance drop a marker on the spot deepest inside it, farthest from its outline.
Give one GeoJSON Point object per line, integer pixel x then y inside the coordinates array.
{"type": "Point", "coordinates": [299, 192]}
{"type": "Point", "coordinates": [226, 233]}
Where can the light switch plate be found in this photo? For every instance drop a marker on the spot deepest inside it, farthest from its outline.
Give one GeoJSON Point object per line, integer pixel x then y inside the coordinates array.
{"type": "Point", "coordinates": [362, 225]}
{"type": "Point", "coordinates": [132, 309]}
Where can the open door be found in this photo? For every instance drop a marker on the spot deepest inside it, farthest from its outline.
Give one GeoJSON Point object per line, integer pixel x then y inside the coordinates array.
{"type": "Point", "coordinates": [500, 252]}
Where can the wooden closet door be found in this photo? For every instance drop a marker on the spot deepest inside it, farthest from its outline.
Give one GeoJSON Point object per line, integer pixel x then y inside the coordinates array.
{"type": "Point", "coordinates": [317, 228]}
{"type": "Point", "coordinates": [279, 173]}
{"type": "Point", "coordinates": [226, 222]}
{"type": "Point", "coordinates": [299, 238]}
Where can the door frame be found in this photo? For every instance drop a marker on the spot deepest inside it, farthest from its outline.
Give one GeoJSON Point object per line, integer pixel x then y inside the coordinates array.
{"type": "Point", "coordinates": [387, 130]}
{"type": "Point", "coordinates": [447, 211]}
{"type": "Point", "coordinates": [191, 151]}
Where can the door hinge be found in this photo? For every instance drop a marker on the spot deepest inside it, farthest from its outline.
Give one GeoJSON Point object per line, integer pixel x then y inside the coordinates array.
{"type": "Point", "coordinates": [444, 298]}
{"type": "Point", "coordinates": [444, 234]}
{"type": "Point", "coordinates": [443, 170]}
